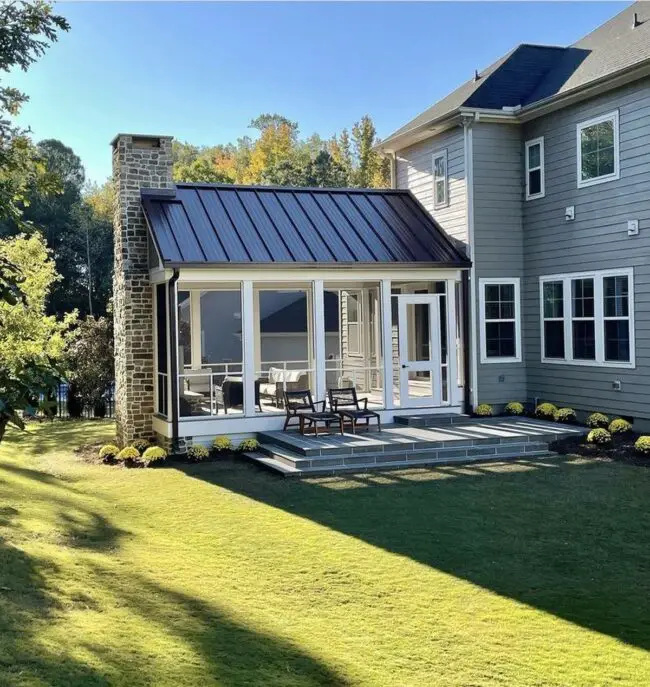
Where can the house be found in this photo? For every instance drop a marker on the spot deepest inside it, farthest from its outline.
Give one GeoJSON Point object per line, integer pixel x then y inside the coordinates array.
{"type": "Point", "coordinates": [510, 260]}
{"type": "Point", "coordinates": [540, 164]}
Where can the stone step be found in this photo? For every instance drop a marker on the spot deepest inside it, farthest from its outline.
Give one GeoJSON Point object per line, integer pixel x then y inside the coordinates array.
{"type": "Point", "coordinates": [403, 457]}
{"type": "Point", "coordinates": [431, 420]}
{"type": "Point", "coordinates": [320, 469]}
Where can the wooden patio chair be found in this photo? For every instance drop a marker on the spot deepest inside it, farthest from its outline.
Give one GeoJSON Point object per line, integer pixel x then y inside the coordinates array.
{"type": "Point", "coordinates": [301, 406]}
{"type": "Point", "coordinates": [348, 406]}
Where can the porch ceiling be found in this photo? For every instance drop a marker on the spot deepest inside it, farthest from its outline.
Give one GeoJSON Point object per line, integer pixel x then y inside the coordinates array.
{"type": "Point", "coordinates": [216, 225]}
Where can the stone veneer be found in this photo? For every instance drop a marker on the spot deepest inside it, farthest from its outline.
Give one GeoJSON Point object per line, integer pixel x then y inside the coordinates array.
{"type": "Point", "coordinates": [138, 162]}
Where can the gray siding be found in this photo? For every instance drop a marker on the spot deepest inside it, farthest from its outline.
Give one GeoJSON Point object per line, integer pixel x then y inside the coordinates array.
{"type": "Point", "coordinates": [596, 239]}
{"type": "Point", "coordinates": [498, 239]}
{"type": "Point", "coordinates": [414, 172]}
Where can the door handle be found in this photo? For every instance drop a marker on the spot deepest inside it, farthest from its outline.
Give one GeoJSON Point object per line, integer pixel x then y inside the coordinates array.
{"type": "Point", "coordinates": [404, 366]}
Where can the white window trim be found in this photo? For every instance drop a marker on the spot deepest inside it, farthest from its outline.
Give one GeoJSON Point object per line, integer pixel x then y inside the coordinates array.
{"type": "Point", "coordinates": [358, 294]}
{"type": "Point", "coordinates": [599, 317]}
{"type": "Point", "coordinates": [611, 116]}
{"type": "Point", "coordinates": [440, 154]}
{"type": "Point", "coordinates": [517, 320]}
{"type": "Point", "coordinates": [529, 144]}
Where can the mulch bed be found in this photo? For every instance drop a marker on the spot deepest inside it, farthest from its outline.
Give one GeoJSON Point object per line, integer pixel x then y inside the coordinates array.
{"type": "Point", "coordinates": [620, 450]}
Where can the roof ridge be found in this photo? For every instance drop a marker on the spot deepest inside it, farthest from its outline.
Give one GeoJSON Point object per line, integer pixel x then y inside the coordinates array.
{"type": "Point", "coordinates": [275, 187]}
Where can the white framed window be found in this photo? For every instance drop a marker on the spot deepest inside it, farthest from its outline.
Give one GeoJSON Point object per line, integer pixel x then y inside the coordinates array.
{"type": "Point", "coordinates": [535, 168]}
{"type": "Point", "coordinates": [440, 179]}
{"type": "Point", "coordinates": [353, 303]}
{"type": "Point", "coordinates": [598, 150]}
{"type": "Point", "coordinates": [587, 318]}
{"type": "Point", "coordinates": [500, 311]}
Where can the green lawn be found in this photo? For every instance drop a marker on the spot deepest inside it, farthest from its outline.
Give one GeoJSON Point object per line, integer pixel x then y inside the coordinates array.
{"type": "Point", "coordinates": [528, 574]}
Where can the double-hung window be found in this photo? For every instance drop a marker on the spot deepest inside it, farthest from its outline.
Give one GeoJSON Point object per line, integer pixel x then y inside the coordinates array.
{"type": "Point", "coordinates": [588, 318]}
{"type": "Point", "coordinates": [440, 180]}
{"type": "Point", "coordinates": [500, 320]}
{"type": "Point", "coordinates": [535, 168]}
{"type": "Point", "coordinates": [353, 326]}
{"type": "Point", "coordinates": [598, 150]}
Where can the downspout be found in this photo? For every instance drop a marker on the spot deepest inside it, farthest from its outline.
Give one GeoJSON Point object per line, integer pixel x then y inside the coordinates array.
{"type": "Point", "coordinates": [173, 358]}
{"type": "Point", "coordinates": [472, 381]}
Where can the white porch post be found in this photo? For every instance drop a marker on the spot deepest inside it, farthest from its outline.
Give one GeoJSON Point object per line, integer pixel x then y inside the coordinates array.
{"type": "Point", "coordinates": [318, 327]}
{"type": "Point", "coordinates": [248, 331]}
{"type": "Point", "coordinates": [452, 358]}
{"type": "Point", "coordinates": [257, 331]}
{"type": "Point", "coordinates": [387, 343]}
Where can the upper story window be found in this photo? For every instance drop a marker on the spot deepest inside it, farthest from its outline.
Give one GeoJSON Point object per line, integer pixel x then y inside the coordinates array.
{"type": "Point", "coordinates": [588, 319]}
{"type": "Point", "coordinates": [500, 320]}
{"type": "Point", "coordinates": [535, 168]}
{"type": "Point", "coordinates": [440, 180]}
{"type": "Point", "coordinates": [598, 154]}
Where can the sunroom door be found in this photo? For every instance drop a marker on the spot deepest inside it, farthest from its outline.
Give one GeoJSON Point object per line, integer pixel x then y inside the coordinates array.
{"type": "Point", "coordinates": [420, 351]}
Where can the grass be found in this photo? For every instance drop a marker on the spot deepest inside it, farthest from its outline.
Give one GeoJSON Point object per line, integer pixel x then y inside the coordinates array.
{"type": "Point", "coordinates": [535, 573]}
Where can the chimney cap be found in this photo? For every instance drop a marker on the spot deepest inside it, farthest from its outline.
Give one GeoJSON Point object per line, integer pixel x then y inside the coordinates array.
{"type": "Point", "coordinates": [146, 137]}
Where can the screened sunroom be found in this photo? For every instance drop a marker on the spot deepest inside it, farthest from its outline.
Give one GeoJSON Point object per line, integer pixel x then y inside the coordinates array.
{"type": "Point", "coordinates": [260, 291]}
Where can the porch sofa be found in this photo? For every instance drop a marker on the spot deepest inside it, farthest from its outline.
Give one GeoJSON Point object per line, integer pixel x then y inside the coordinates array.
{"type": "Point", "coordinates": [278, 379]}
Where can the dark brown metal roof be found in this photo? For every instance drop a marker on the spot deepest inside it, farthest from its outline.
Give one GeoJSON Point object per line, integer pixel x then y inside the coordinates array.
{"type": "Point", "coordinates": [217, 224]}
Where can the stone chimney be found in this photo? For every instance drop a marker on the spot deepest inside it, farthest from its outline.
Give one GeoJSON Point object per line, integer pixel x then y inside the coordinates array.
{"type": "Point", "coordinates": [138, 162]}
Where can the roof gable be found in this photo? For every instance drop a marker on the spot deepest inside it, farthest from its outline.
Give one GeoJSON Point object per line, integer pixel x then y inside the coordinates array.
{"type": "Point", "coordinates": [220, 224]}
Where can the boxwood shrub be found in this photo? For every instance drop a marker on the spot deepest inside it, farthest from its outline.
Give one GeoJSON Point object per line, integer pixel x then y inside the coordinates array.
{"type": "Point", "coordinates": [597, 420]}
{"type": "Point", "coordinates": [546, 411]}
{"type": "Point", "coordinates": [599, 436]}
{"type": "Point", "coordinates": [642, 445]}
{"type": "Point", "coordinates": [514, 408]}
{"type": "Point", "coordinates": [197, 453]}
{"type": "Point", "coordinates": [567, 415]}
{"type": "Point", "coordinates": [154, 454]}
{"type": "Point", "coordinates": [248, 445]}
{"type": "Point", "coordinates": [108, 452]}
{"type": "Point", "coordinates": [483, 410]}
{"type": "Point", "coordinates": [222, 444]}
{"type": "Point", "coordinates": [128, 453]}
{"type": "Point", "coordinates": [619, 426]}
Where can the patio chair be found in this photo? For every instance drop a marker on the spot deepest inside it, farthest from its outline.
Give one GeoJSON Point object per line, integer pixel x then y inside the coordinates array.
{"type": "Point", "coordinates": [301, 406]}
{"type": "Point", "coordinates": [348, 406]}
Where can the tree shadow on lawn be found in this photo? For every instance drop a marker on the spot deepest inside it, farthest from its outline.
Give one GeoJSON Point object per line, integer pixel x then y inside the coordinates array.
{"type": "Point", "coordinates": [35, 592]}
{"type": "Point", "coordinates": [568, 536]}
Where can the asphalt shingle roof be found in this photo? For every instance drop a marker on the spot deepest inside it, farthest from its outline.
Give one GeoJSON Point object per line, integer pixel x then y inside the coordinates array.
{"type": "Point", "coordinates": [531, 73]}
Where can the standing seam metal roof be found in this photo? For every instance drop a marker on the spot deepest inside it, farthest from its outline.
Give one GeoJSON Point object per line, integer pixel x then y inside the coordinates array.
{"type": "Point", "coordinates": [216, 224]}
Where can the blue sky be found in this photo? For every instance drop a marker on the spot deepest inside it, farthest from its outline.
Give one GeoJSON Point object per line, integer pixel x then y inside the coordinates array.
{"type": "Point", "coordinates": [202, 71]}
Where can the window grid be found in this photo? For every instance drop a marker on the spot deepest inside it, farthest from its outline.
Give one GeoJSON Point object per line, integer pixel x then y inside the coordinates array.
{"type": "Point", "coordinates": [440, 180]}
{"type": "Point", "coordinates": [598, 147]}
{"type": "Point", "coordinates": [500, 311]}
{"type": "Point", "coordinates": [618, 338]}
{"type": "Point", "coordinates": [535, 182]}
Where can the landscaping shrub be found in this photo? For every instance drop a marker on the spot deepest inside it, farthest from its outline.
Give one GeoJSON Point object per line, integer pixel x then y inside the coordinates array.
{"type": "Point", "coordinates": [141, 444]}
{"type": "Point", "coordinates": [248, 445]}
{"type": "Point", "coordinates": [128, 453]}
{"type": "Point", "coordinates": [154, 454]}
{"type": "Point", "coordinates": [567, 415]}
{"type": "Point", "coordinates": [196, 453]}
{"type": "Point", "coordinates": [108, 452]}
{"type": "Point", "coordinates": [546, 411]}
{"type": "Point", "coordinates": [599, 436]}
{"type": "Point", "coordinates": [483, 410]}
{"type": "Point", "coordinates": [597, 420]}
{"type": "Point", "coordinates": [222, 444]}
{"type": "Point", "coordinates": [514, 408]}
{"type": "Point", "coordinates": [619, 426]}
{"type": "Point", "coordinates": [642, 445]}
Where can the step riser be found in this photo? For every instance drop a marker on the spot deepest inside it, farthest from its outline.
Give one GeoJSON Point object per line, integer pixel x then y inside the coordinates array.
{"type": "Point", "coordinates": [344, 451]}
{"type": "Point", "coordinates": [430, 421]}
{"type": "Point", "coordinates": [409, 457]}
{"type": "Point", "coordinates": [323, 471]}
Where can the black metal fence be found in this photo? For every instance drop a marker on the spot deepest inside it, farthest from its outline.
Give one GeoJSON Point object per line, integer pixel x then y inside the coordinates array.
{"type": "Point", "coordinates": [68, 404]}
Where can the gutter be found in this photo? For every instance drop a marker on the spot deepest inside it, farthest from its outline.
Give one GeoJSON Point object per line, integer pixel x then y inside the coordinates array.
{"type": "Point", "coordinates": [173, 362]}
